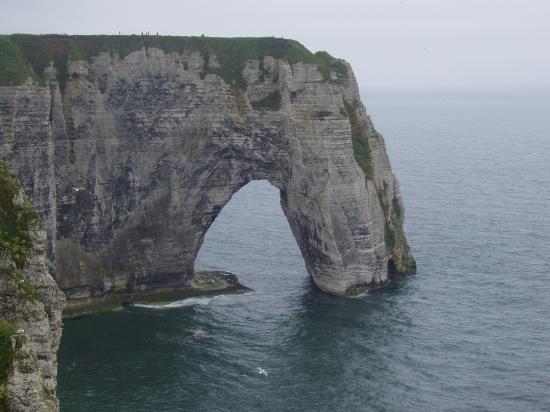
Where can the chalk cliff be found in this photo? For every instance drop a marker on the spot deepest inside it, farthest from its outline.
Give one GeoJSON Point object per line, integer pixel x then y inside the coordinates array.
{"type": "Point", "coordinates": [30, 307]}
{"type": "Point", "coordinates": [129, 147]}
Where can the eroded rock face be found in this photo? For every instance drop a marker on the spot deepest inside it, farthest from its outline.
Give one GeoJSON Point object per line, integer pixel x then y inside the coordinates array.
{"type": "Point", "coordinates": [31, 303]}
{"type": "Point", "coordinates": [131, 158]}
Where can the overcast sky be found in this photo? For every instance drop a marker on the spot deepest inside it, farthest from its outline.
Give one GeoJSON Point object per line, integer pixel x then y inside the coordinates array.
{"type": "Point", "coordinates": [398, 44]}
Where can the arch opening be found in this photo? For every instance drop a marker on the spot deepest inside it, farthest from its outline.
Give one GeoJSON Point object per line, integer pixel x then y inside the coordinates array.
{"type": "Point", "coordinates": [251, 238]}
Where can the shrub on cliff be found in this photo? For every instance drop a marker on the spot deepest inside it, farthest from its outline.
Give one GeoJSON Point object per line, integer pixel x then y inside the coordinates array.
{"type": "Point", "coordinates": [6, 358]}
{"type": "Point", "coordinates": [16, 219]}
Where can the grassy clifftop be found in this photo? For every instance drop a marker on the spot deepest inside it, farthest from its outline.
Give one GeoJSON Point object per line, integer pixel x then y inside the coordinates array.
{"type": "Point", "coordinates": [24, 55]}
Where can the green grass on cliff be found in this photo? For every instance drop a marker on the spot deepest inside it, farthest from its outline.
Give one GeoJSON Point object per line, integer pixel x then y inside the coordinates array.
{"type": "Point", "coordinates": [13, 68]}
{"type": "Point", "coordinates": [394, 235]}
{"type": "Point", "coordinates": [360, 140]}
{"type": "Point", "coordinates": [25, 51]}
{"type": "Point", "coordinates": [328, 64]}
{"type": "Point", "coordinates": [6, 358]}
{"type": "Point", "coordinates": [396, 242]}
{"type": "Point", "coordinates": [16, 219]}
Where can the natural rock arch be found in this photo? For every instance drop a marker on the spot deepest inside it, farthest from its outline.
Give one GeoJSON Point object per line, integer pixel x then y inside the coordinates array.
{"type": "Point", "coordinates": [130, 155]}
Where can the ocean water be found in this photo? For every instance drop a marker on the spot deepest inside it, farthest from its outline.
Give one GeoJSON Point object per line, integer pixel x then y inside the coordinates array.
{"type": "Point", "coordinates": [469, 332]}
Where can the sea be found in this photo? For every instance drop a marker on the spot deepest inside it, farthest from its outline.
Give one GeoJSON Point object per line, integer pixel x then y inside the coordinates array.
{"type": "Point", "coordinates": [470, 331]}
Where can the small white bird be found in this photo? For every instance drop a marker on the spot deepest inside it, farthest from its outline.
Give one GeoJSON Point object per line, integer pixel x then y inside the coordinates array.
{"type": "Point", "coordinates": [78, 189]}
{"type": "Point", "coordinates": [20, 331]}
{"type": "Point", "coordinates": [261, 371]}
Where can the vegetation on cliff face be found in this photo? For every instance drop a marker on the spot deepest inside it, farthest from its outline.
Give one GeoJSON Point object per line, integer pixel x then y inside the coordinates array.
{"type": "Point", "coordinates": [396, 242]}
{"type": "Point", "coordinates": [328, 64]}
{"type": "Point", "coordinates": [17, 219]}
{"type": "Point", "coordinates": [402, 260]}
{"type": "Point", "coordinates": [22, 52]}
{"type": "Point", "coordinates": [6, 358]}
{"type": "Point", "coordinates": [13, 69]}
{"type": "Point", "coordinates": [271, 102]}
{"type": "Point", "coordinates": [360, 139]}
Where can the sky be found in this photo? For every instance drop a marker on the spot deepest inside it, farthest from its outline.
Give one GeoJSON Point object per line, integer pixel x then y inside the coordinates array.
{"type": "Point", "coordinates": [391, 44]}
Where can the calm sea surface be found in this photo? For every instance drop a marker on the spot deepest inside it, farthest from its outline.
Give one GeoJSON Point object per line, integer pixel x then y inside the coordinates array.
{"type": "Point", "coordinates": [470, 331]}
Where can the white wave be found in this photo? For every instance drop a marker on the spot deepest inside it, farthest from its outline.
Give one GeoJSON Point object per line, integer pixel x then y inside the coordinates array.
{"type": "Point", "coordinates": [202, 301]}
{"type": "Point", "coordinates": [177, 303]}
{"type": "Point", "coordinates": [198, 332]}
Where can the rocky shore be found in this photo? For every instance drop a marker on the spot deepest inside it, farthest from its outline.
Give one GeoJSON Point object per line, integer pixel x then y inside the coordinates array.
{"type": "Point", "coordinates": [204, 284]}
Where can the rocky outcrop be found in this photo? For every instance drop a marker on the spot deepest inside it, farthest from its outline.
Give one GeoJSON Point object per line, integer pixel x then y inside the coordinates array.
{"type": "Point", "coordinates": [130, 146]}
{"type": "Point", "coordinates": [30, 307]}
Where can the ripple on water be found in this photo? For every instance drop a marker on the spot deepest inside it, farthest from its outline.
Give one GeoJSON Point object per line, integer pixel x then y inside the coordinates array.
{"type": "Point", "coordinates": [469, 332]}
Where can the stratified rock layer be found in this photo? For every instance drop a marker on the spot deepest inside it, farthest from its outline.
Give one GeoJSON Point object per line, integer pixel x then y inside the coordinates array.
{"type": "Point", "coordinates": [31, 302]}
{"type": "Point", "coordinates": [129, 157]}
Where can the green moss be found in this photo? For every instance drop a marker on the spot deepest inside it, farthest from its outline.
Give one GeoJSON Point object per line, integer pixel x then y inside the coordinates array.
{"type": "Point", "coordinates": [16, 222]}
{"type": "Point", "coordinates": [6, 358]}
{"type": "Point", "coordinates": [328, 64]}
{"type": "Point", "coordinates": [360, 140]}
{"type": "Point", "coordinates": [397, 209]}
{"type": "Point", "coordinates": [25, 50]}
{"type": "Point", "coordinates": [402, 260]}
{"type": "Point", "coordinates": [16, 219]}
{"type": "Point", "coordinates": [271, 102]}
{"type": "Point", "coordinates": [49, 392]}
{"type": "Point", "coordinates": [355, 290]}
{"type": "Point", "coordinates": [28, 290]}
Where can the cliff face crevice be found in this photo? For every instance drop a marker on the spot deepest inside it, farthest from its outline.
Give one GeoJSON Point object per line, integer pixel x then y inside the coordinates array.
{"type": "Point", "coordinates": [30, 307]}
{"type": "Point", "coordinates": [130, 148]}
